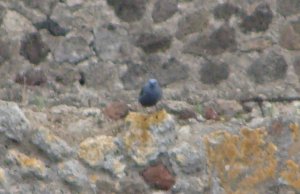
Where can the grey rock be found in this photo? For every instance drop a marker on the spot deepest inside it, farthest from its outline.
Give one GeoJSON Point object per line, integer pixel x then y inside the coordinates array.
{"type": "Point", "coordinates": [193, 22]}
{"type": "Point", "coordinates": [226, 10]}
{"type": "Point", "coordinates": [109, 41]}
{"type": "Point", "coordinates": [219, 41]}
{"type": "Point", "coordinates": [270, 67]}
{"type": "Point", "coordinates": [52, 26]}
{"type": "Point", "coordinates": [288, 7]}
{"type": "Point", "coordinates": [259, 20]}
{"type": "Point", "coordinates": [13, 122]}
{"type": "Point", "coordinates": [163, 10]}
{"type": "Point", "coordinates": [133, 185]}
{"type": "Point", "coordinates": [297, 67]}
{"type": "Point", "coordinates": [32, 76]}
{"type": "Point", "coordinates": [191, 185]}
{"type": "Point", "coordinates": [26, 165]}
{"type": "Point", "coordinates": [214, 72]}
{"type": "Point", "coordinates": [190, 159]}
{"type": "Point", "coordinates": [73, 173]}
{"type": "Point", "coordinates": [5, 51]}
{"type": "Point", "coordinates": [38, 187]}
{"type": "Point", "coordinates": [55, 147]}
{"type": "Point", "coordinates": [72, 50]}
{"type": "Point", "coordinates": [33, 48]}
{"type": "Point", "coordinates": [156, 41]}
{"type": "Point", "coordinates": [45, 6]}
{"type": "Point", "coordinates": [129, 10]}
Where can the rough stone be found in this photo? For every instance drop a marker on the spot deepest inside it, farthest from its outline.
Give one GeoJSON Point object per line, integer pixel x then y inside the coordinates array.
{"type": "Point", "coordinates": [214, 72]}
{"type": "Point", "coordinates": [54, 147]}
{"type": "Point", "coordinates": [190, 158]}
{"type": "Point", "coordinates": [116, 110]}
{"type": "Point", "coordinates": [5, 51]}
{"type": "Point", "coordinates": [190, 184]}
{"type": "Point", "coordinates": [288, 7]}
{"type": "Point", "coordinates": [226, 108]}
{"type": "Point", "coordinates": [289, 38]}
{"type": "Point", "coordinates": [152, 42]}
{"type": "Point", "coordinates": [32, 77]}
{"type": "Point", "coordinates": [109, 41]}
{"type": "Point", "coordinates": [193, 22]}
{"type": "Point", "coordinates": [211, 114]}
{"type": "Point", "coordinates": [158, 176]}
{"type": "Point", "coordinates": [163, 10]}
{"type": "Point", "coordinates": [102, 152]}
{"type": "Point", "coordinates": [33, 48]}
{"type": "Point", "coordinates": [297, 67]}
{"type": "Point", "coordinates": [16, 25]}
{"type": "Point", "coordinates": [259, 20]}
{"type": "Point", "coordinates": [73, 173]}
{"type": "Point", "coordinates": [27, 165]}
{"type": "Point", "coordinates": [72, 50]}
{"type": "Point", "coordinates": [270, 67]}
{"type": "Point", "coordinates": [45, 6]}
{"type": "Point", "coordinates": [147, 136]}
{"type": "Point", "coordinates": [133, 185]}
{"type": "Point", "coordinates": [219, 41]}
{"type": "Point", "coordinates": [13, 122]}
{"type": "Point", "coordinates": [129, 10]}
{"type": "Point", "coordinates": [226, 10]}
{"type": "Point", "coordinates": [52, 26]}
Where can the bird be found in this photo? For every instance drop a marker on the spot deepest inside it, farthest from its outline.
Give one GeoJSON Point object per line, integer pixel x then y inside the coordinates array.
{"type": "Point", "coordinates": [150, 93]}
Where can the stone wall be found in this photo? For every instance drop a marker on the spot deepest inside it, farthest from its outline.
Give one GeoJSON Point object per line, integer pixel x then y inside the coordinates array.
{"type": "Point", "coordinates": [64, 61]}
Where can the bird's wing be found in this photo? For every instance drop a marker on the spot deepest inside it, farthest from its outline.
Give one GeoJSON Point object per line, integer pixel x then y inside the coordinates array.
{"type": "Point", "coordinates": [142, 92]}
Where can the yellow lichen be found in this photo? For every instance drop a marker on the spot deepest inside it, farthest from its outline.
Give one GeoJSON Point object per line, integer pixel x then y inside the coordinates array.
{"type": "Point", "coordinates": [27, 162]}
{"type": "Point", "coordinates": [292, 174]}
{"type": "Point", "coordinates": [241, 161]}
{"type": "Point", "coordinates": [139, 123]}
{"type": "Point", "coordinates": [295, 130]}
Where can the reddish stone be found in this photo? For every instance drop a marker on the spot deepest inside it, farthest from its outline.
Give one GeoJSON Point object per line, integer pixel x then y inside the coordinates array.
{"type": "Point", "coordinates": [32, 77]}
{"type": "Point", "coordinates": [116, 110]}
{"type": "Point", "coordinates": [158, 176]}
{"type": "Point", "coordinates": [186, 114]}
{"type": "Point", "coordinates": [210, 114]}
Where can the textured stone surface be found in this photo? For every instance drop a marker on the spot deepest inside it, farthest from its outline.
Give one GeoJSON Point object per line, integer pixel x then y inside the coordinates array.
{"type": "Point", "coordinates": [32, 77]}
{"type": "Point", "coordinates": [152, 42]}
{"type": "Point", "coordinates": [73, 173]}
{"type": "Point", "coordinates": [259, 20]}
{"type": "Point", "coordinates": [158, 176]}
{"type": "Point", "coordinates": [163, 10]}
{"type": "Point", "coordinates": [226, 10]}
{"type": "Point", "coordinates": [116, 110]}
{"type": "Point", "coordinates": [33, 48]}
{"type": "Point", "coordinates": [214, 72]}
{"type": "Point", "coordinates": [54, 147]}
{"type": "Point", "coordinates": [272, 66]}
{"type": "Point", "coordinates": [129, 10]}
{"type": "Point", "coordinates": [223, 65]}
{"type": "Point", "coordinates": [72, 50]}
{"type": "Point", "coordinates": [28, 165]}
{"type": "Point", "coordinates": [13, 122]}
{"type": "Point", "coordinates": [288, 7]}
{"type": "Point", "coordinates": [193, 22]}
{"type": "Point", "coordinates": [219, 41]}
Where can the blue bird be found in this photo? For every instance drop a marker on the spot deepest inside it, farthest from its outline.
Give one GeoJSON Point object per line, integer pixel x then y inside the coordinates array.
{"type": "Point", "coordinates": [150, 94]}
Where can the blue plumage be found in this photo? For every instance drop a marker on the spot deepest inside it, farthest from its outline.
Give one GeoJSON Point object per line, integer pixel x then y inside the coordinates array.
{"type": "Point", "coordinates": [150, 94]}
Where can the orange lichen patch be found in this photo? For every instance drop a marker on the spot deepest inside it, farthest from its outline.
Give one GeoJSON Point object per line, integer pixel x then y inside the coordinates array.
{"type": "Point", "coordinates": [94, 178]}
{"type": "Point", "coordinates": [139, 123]}
{"type": "Point", "coordinates": [241, 161]}
{"type": "Point", "coordinates": [292, 174]}
{"type": "Point", "coordinates": [142, 121]}
{"type": "Point", "coordinates": [295, 130]}
{"type": "Point", "coordinates": [27, 162]}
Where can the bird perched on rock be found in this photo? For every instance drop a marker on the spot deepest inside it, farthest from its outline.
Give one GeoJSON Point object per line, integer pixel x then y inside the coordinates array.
{"type": "Point", "coordinates": [150, 94]}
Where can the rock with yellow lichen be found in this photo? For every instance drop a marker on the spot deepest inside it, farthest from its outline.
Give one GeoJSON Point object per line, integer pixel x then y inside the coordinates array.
{"type": "Point", "coordinates": [291, 174]}
{"type": "Point", "coordinates": [55, 147]}
{"type": "Point", "coordinates": [147, 135]}
{"type": "Point", "coordinates": [73, 173]}
{"type": "Point", "coordinates": [102, 152]}
{"type": "Point", "coordinates": [241, 162]}
{"type": "Point", "coordinates": [26, 165]}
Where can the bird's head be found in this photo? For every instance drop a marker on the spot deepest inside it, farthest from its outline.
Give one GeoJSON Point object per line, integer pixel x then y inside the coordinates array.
{"type": "Point", "coordinates": [152, 83]}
